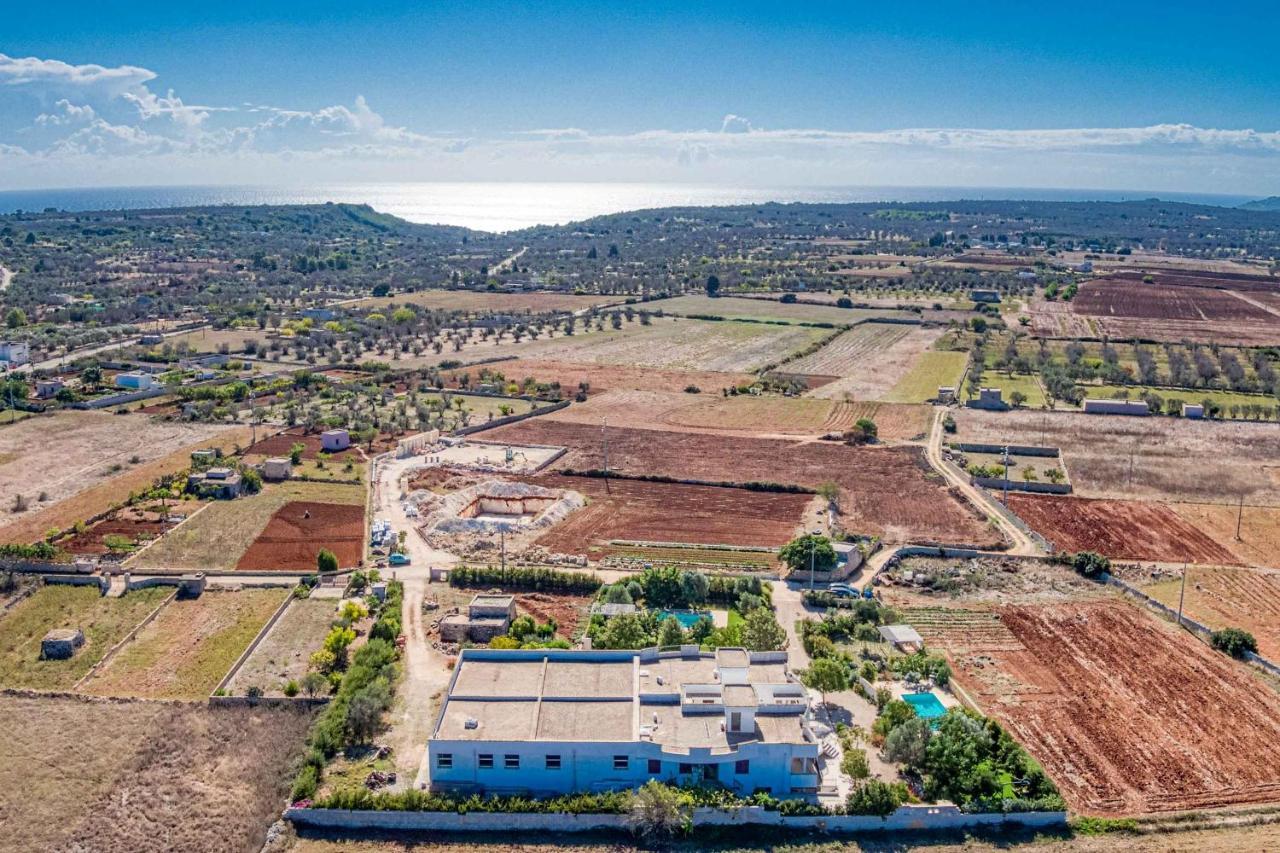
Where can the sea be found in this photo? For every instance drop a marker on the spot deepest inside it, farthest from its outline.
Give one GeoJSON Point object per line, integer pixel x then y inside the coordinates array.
{"type": "Point", "coordinates": [511, 206]}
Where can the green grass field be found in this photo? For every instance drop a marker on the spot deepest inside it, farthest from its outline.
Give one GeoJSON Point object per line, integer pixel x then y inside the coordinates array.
{"type": "Point", "coordinates": [930, 372]}
{"type": "Point", "coordinates": [1225, 399]}
{"type": "Point", "coordinates": [217, 536]}
{"type": "Point", "coordinates": [104, 622]}
{"type": "Point", "coordinates": [1007, 384]}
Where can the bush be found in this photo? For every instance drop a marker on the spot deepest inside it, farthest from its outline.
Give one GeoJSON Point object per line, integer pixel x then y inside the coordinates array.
{"type": "Point", "coordinates": [1090, 564]}
{"type": "Point", "coordinates": [304, 786]}
{"type": "Point", "coordinates": [658, 811]}
{"type": "Point", "coordinates": [326, 561]}
{"type": "Point", "coordinates": [291, 688]}
{"type": "Point", "coordinates": [854, 764]}
{"type": "Point", "coordinates": [1234, 642]}
{"type": "Point", "coordinates": [874, 797]}
{"type": "Point", "coordinates": [535, 579]}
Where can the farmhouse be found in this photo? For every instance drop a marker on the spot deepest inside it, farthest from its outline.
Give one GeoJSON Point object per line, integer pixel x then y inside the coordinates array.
{"type": "Point", "coordinates": [984, 295]}
{"type": "Point", "coordinates": [487, 616]}
{"type": "Point", "coordinates": [1116, 407]}
{"type": "Point", "coordinates": [15, 352]}
{"type": "Point", "coordinates": [335, 439]}
{"type": "Point", "coordinates": [990, 399]}
{"type": "Point", "coordinates": [552, 721]}
{"type": "Point", "coordinates": [1194, 411]}
{"type": "Point", "coordinates": [137, 381]}
{"type": "Point", "coordinates": [46, 388]}
{"type": "Point", "coordinates": [215, 483]}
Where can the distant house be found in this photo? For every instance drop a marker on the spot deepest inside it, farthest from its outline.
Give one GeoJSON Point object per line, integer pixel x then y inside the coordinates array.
{"type": "Point", "coordinates": [204, 457]}
{"type": "Point", "coordinates": [136, 381]}
{"type": "Point", "coordinates": [1027, 275]}
{"type": "Point", "coordinates": [15, 352]}
{"type": "Point", "coordinates": [1194, 411]}
{"type": "Point", "coordinates": [1116, 407]}
{"type": "Point", "coordinates": [989, 398]}
{"type": "Point", "coordinates": [319, 315]}
{"type": "Point", "coordinates": [946, 393]}
{"type": "Point", "coordinates": [149, 340]}
{"type": "Point", "coordinates": [222, 483]}
{"type": "Point", "coordinates": [335, 439]}
{"type": "Point", "coordinates": [487, 616]}
{"type": "Point", "coordinates": [984, 295]}
{"type": "Point", "coordinates": [47, 388]}
{"type": "Point", "coordinates": [276, 468]}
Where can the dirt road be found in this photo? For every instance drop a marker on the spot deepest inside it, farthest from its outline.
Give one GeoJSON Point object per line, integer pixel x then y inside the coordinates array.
{"type": "Point", "coordinates": [425, 672]}
{"type": "Point", "coordinates": [6, 276]}
{"type": "Point", "coordinates": [1022, 544]}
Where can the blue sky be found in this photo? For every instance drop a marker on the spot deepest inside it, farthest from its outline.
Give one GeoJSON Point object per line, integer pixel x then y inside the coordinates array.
{"type": "Point", "coordinates": [1116, 95]}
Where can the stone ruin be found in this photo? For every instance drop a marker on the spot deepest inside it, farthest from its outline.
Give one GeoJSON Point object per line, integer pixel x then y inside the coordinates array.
{"type": "Point", "coordinates": [61, 643]}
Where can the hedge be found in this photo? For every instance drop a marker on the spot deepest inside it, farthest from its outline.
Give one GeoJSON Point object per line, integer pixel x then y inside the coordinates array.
{"type": "Point", "coordinates": [536, 579]}
{"type": "Point", "coordinates": [750, 486]}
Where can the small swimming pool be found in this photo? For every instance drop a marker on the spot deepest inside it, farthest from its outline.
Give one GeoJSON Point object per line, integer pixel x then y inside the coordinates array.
{"type": "Point", "coordinates": [686, 618]}
{"type": "Point", "coordinates": [927, 706]}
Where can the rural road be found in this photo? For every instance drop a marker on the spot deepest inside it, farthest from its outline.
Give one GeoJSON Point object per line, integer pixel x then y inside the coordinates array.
{"type": "Point", "coordinates": [1021, 542]}
{"type": "Point", "coordinates": [425, 670]}
{"type": "Point", "coordinates": [6, 276]}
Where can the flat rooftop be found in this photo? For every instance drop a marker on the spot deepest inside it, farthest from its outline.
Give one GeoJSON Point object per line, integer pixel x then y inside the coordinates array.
{"type": "Point", "coordinates": [677, 699]}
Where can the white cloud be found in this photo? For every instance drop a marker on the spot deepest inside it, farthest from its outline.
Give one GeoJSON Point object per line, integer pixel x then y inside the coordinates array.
{"type": "Point", "coordinates": [98, 125]}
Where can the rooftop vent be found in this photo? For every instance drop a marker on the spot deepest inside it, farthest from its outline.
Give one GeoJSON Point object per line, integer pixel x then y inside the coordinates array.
{"type": "Point", "coordinates": [471, 723]}
{"type": "Point", "coordinates": [660, 679]}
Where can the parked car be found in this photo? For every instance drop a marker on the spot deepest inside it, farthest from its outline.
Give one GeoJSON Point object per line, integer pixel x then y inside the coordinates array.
{"type": "Point", "coordinates": [398, 559]}
{"type": "Point", "coordinates": [842, 589]}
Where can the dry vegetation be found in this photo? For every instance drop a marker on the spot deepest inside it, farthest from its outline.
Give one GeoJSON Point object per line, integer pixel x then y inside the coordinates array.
{"type": "Point", "coordinates": [104, 621]}
{"type": "Point", "coordinates": [129, 777]}
{"type": "Point", "coordinates": [185, 651]}
{"type": "Point", "coordinates": [83, 462]}
{"type": "Point", "coordinates": [1222, 597]}
{"type": "Point", "coordinates": [284, 653]}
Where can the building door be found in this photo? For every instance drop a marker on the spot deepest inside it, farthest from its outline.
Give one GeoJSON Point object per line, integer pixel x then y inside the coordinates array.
{"type": "Point", "coordinates": [735, 721]}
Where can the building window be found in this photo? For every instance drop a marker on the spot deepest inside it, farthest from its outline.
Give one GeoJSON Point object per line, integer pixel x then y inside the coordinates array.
{"type": "Point", "coordinates": [742, 768]}
{"type": "Point", "coordinates": [444, 761]}
{"type": "Point", "coordinates": [685, 768]}
{"type": "Point", "coordinates": [553, 762]}
{"type": "Point", "coordinates": [655, 766]}
{"type": "Point", "coordinates": [511, 762]}
{"type": "Point", "coordinates": [485, 761]}
{"type": "Point", "coordinates": [619, 762]}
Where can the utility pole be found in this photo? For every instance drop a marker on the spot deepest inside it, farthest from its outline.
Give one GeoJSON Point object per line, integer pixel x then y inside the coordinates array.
{"type": "Point", "coordinates": [1006, 475]}
{"type": "Point", "coordinates": [1183, 592]}
{"type": "Point", "coordinates": [503, 530]}
{"type": "Point", "coordinates": [1239, 516]}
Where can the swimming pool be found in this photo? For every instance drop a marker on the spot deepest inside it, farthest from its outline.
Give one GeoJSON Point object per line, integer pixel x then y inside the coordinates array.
{"type": "Point", "coordinates": [927, 705]}
{"type": "Point", "coordinates": [686, 618]}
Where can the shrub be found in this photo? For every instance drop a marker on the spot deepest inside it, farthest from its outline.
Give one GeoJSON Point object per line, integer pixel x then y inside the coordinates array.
{"type": "Point", "coordinates": [658, 811]}
{"type": "Point", "coordinates": [291, 688]}
{"type": "Point", "coordinates": [304, 786]}
{"type": "Point", "coordinates": [1090, 564]}
{"type": "Point", "coordinates": [536, 579]}
{"type": "Point", "coordinates": [1234, 642]}
{"type": "Point", "coordinates": [874, 797]}
{"type": "Point", "coordinates": [326, 561]}
{"type": "Point", "coordinates": [854, 764]}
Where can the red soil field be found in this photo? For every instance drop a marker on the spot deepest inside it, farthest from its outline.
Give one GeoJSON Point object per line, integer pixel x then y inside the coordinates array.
{"type": "Point", "coordinates": [299, 529]}
{"type": "Point", "coordinates": [1109, 298]}
{"type": "Point", "coordinates": [1242, 282]}
{"type": "Point", "coordinates": [667, 512]}
{"type": "Point", "coordinates": [1127, 714]}
{"type": "Point", "coordinates": [133, 524]}
{"type": "Point", "coordinates": [885, 491]}
{"type": "Point", "coordinates": [282, 443]}
{"type": "Point", "coordinates": [1127, 530]}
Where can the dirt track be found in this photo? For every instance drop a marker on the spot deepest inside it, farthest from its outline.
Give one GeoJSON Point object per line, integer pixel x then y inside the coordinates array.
{"type": "Point", "coordinates": [1128, 715]}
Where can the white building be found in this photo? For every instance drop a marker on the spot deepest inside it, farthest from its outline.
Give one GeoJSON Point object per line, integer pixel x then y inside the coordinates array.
{"type": "Point", "coordinates": [277, 468]}
{"type": "Point", "coordinates": [1195, 411]}
{"type": "Point", "coordinates": [553, 721]}
{"type": "Point", "coordinates": [15, 352]}
{"type": "Point", "coordinates": [137, 381]}
{"type": "Point", "coordinates": [1117, 407]}
{"type": "Point", "coordinates": [335, 439]}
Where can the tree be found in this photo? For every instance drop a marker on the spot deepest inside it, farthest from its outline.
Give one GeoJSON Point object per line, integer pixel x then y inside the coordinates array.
{"type": "Point", "coordinates": [381, 290]}
{"type": "Point", "coordinates": [1234, 642]}
{"type": "Point", "coordinates": [661, 586]}
{"type": "Point", "coordinates": [295, 452]}
{"type": "Point", "coordinates": [622, 632]}
{"type": "Point", "coordinates": [713, 285]}
{"type": "Point", "coordinates": [874, 797]}
{"type": "Point", "coordinates": [761, 631]}
{"type": "Point", "coordinates": [829, 492]}
{"type": "Point", "coordinates": [1017, 398]}
{"type": "Point", "coordinates": [868, 428]}
{"type": "Point", "coordinates": [907, 743]}
{"type": "Point", "coordinates": [15, 318]}
{"type": "Point", "coordinates": [364, 711]}
{"type": "Point", "coordinates": [658, 811]}
{"type": "Point", "coordinates": [800, 552]}
{"type": "Point", "coordinates": [617, 594]}
{"type": "Point", "coordinates": [1090, 564]}
{"type": "Point", "coordinates": [826, 675]}
{"type": "Point", "coordinates": [670, 633]}
{"type": "Point", "coordinates": [695, 587]}
{"type": "Point", "coordinates": [326, 561]}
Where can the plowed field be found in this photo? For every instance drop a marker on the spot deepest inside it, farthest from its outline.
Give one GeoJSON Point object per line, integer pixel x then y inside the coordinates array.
{"type": "Point", "coordinates": [886, 491]}
{"type": "Point", "coordinates": [280, 445]}
{"type": "Point", "coordinates": [606, 377]}
{"type": "Point", "coordinates": [298, 531]}
{"type": "Point", "coordinates": [1127, 715]}
{"type": "Point", "coordinates": [1134, 299]}
{"type": "Point", "coordinates": [1128, 530]}
{"type": "Point", "coordinates": [667, 512]}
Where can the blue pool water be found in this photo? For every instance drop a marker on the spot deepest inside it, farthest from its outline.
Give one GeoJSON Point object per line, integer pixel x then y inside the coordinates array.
{"type": "Point", "coordinates": [926, 704]}
{"type": "Point", "coordinates": [686, 618]}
